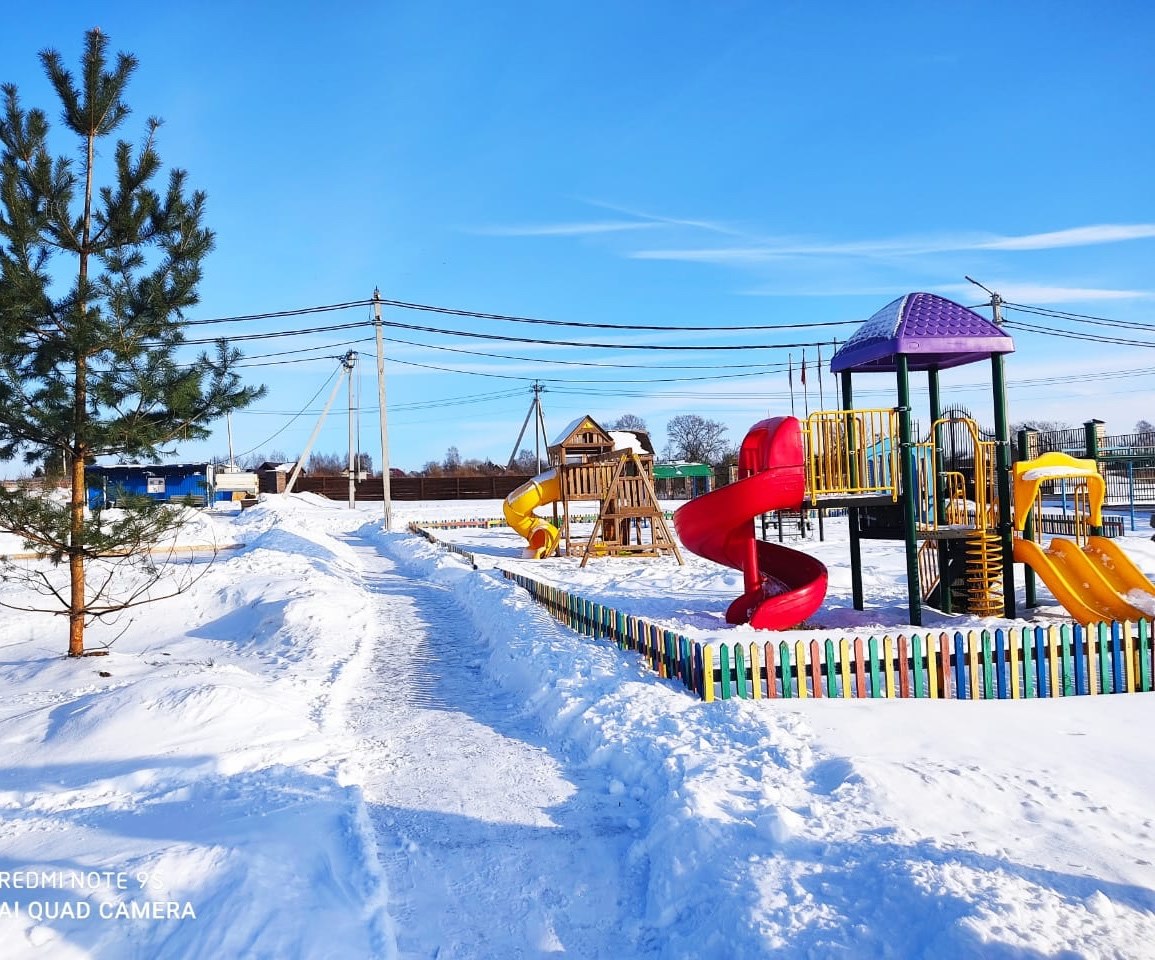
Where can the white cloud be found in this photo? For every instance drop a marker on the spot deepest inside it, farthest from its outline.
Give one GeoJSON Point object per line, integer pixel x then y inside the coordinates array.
{"type": "Point", "coordinates": [710, 226]}
{"type": "Point", "coordinates": [1041, 293]}
{"type": "Point", "coordinates": [1074, 237]}
{"type": "Point", "coordinates": [905, 246]}
{"type": "Point", "coordinates": [565, 229]}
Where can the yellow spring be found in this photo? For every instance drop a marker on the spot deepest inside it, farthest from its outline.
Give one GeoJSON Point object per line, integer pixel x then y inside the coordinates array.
{"type": "Point", "coordinates": [985, 575]}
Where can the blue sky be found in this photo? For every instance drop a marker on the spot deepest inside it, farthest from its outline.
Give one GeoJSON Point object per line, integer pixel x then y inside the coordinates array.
{"type": "Point", "coordinates": [651, 163]}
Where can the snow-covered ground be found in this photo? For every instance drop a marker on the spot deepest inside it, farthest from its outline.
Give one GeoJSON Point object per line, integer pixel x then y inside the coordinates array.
{"type": "Point", "coordinates": [345, 743]}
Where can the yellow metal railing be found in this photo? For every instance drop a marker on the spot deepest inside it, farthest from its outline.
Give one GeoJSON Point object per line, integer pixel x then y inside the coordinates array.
{"type": "Point", "coordinates": [982, 513]}
{"type": "Point", "coordinates": [1080, 515]}
{"type": "Point", "coordinates": [852, 451]}
{"type": "Point", "coordinates": [955, 491]}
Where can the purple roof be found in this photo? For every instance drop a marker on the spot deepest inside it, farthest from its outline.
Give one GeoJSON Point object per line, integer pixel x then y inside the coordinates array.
{"type": "Point", "coordinates": [932, 332]}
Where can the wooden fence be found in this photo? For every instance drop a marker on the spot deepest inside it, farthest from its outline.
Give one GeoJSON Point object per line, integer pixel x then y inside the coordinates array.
{"type": "Point", "coordinates": [1021, 662]}
{"type": "Point", "coordinates": [1068, 526]}
{"type": "Point", "coordinates": [496, 487]}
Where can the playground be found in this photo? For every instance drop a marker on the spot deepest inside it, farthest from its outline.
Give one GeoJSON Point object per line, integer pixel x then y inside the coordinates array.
{"type": "Point", "coordinates": [966, 517]}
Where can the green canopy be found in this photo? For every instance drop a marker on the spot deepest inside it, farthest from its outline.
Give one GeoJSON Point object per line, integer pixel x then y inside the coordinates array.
{"type": "Point", "coordinates": [672, 471]}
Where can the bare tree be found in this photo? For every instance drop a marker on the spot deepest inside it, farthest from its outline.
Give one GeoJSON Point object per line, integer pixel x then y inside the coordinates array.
{"type": "Point", "coordinates": [525, 462]}
{"type": "Point", "coordinates": [1042, 426]}
{"type": "Point", "coordinates": [629, 421]}
{"type": "Point", "coordinates": [695, 439]}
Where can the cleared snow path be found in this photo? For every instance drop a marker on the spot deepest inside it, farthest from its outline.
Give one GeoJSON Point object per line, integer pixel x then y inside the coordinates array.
{"type": "Point", "coordinates": [492, 842]}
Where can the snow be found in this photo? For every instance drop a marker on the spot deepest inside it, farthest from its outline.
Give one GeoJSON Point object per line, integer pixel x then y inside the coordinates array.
{"type": "Point", "coordinates": [341, 742]}
{"type": "Point", "coordinates": [1061, 471]}
{"type": "Point", "coordinates": [626, 440]}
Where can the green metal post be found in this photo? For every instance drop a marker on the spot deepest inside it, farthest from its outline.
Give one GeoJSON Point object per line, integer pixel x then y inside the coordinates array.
{"type": "Point", "coordinates": [1091, 433]}
{"type": "Point", "coordinates": [1003, 469]}
{"type": "Point", "coordinates": [857, 594]}
{"type": "Point", "coordinates": [1030, 596]}
{"type": "Point", "coordinates": [906, 468]}
{"type": "Point", "coordinates": [945, 598]}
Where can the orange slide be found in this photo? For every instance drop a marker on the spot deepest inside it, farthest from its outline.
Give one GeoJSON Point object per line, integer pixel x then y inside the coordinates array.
{"type": "Point", "coordinates": [783, 586]}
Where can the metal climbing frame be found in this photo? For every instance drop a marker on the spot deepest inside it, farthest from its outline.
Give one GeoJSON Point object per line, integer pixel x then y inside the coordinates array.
{"type": "Point", "coordinates": [852, 452]}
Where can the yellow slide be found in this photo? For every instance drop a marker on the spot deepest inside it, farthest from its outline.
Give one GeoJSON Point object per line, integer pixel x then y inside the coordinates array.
{"type": "Point", "coordinates": [1118, 569]}
{"type": "Point", "coordinates": [518, 509]}
{"type": "Point", "coordinates": [1077, 581]}
{"type": "Point", "coordinates": [1093, 583]}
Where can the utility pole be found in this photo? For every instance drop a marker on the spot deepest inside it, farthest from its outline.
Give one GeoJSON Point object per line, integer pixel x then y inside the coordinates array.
{"type": "Point", "coordinates": [350, 360]}
{"type": "Point", "coordinates": [996, 302]}
{"type": "Point", "coordinates": [346, 369]}
{"type": "Point", "coordinates": [538, 427]}
{"type": "Point", "coordinates": [386, 493]}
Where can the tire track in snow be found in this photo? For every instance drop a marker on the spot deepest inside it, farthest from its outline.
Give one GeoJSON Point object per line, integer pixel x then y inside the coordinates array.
{"type": "Point", "coordinates": [469, 800]}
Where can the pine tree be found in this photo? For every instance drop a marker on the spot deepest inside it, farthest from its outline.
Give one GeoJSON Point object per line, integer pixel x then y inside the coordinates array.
{"type": "Point", "coordinates": [94, 280]}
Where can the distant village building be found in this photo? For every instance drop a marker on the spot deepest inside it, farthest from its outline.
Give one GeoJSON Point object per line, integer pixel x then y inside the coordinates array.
{"type": "Point", "coordinates": [197, 484]}
{"type": "Point", "coordinates": [683, 481]}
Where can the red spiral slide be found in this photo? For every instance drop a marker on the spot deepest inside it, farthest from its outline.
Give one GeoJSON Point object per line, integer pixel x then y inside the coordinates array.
{"type": "Point", "coordinates": [783, 586]}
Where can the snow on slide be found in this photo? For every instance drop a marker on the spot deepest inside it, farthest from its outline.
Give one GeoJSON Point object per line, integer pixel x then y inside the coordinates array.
{"type": "Point", "coordinates": [782, 586]}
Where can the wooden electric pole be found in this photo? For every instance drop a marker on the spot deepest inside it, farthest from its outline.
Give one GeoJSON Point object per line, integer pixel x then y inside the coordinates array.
{"type": "Point", "coordinates": [386, 492]}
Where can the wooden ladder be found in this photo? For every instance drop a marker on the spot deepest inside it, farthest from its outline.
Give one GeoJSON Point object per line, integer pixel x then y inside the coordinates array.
{"type": "Point", "coordinates": [629, 500]}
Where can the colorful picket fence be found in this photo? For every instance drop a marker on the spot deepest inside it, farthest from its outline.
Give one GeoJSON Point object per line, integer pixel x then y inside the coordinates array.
{"type": "Point", "coordinates": [669, 654]}
{"type": "Point", "coordinates": [1027, 662]}
{"type": "Point", "coordinates": [444, 544]}
{"type": "Point", "coordinates": [473, 523]}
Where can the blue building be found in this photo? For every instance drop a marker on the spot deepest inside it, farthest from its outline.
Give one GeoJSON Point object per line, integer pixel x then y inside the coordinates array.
{"type": "Point", "coordinates": [160, 481]}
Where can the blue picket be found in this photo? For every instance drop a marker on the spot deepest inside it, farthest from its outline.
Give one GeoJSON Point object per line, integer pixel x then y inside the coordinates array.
{"type": "Point", "coordinates": [1041, 662]}
{"type": "Point", "coordinates": [962, 688]}
{"type": "Point", "coordinates": [1118, 666]}
{"type": "Point", "coordinates": [1001, 663]}
{"type": "Point", "coordinates": [1080, 654]}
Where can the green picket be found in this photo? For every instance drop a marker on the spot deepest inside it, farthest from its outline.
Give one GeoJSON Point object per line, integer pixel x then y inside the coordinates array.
{"type": "Point", "coordinates": [875, 681]}
{"type": "Point", "coordinates": [831, 672]}
{"type": "Point", "coordinates": [988, 667]}
{"type": "Point", "coordinates": [916, 664]}
{"type": "Point", "coordinates": [784, 664]}
{"type": "Point", "coordinates": [1027, 641]}
{"type": "Point", "coordinates": [1106, 682]}
{"type": "Point", "coordinates": [1067, 659]}
{"type": "Point", "coordinates": [740, 672]}
{"type": "Point", "coordinates": [1143, 648]}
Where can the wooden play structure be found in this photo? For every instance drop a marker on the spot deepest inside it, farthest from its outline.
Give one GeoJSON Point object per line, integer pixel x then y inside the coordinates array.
{"type": "Point", "coordinates": [629, 521]}
{"type": "Point", "coordinates": [948, 495]}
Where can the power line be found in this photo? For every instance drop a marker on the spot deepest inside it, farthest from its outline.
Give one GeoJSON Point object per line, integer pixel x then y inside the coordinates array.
{"type": "Point", "coordinates": [1075, 335]}
{"type": "Point", "coordinates": [584, 363]}
{"type": "Point", "coordinates": [299, 312]}
{"type": "Point", "coordinates": [512, 318]}
{"type": "Point", "coordinates": [453, 311]}
{"type": "Point", "coordinates": [274, 334]}
{"type": "Point", "coordinates": [1083, 317]}
{"type": "Point", "coordinates": [588, 345]}
{"type": "Point", "coordinates": [295, 416]}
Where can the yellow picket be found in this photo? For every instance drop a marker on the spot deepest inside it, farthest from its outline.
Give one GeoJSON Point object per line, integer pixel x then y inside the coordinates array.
{"type": "Point", "coordinates": [800, 666]}
{"type": "Point", "coordinates": [888, 665]}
